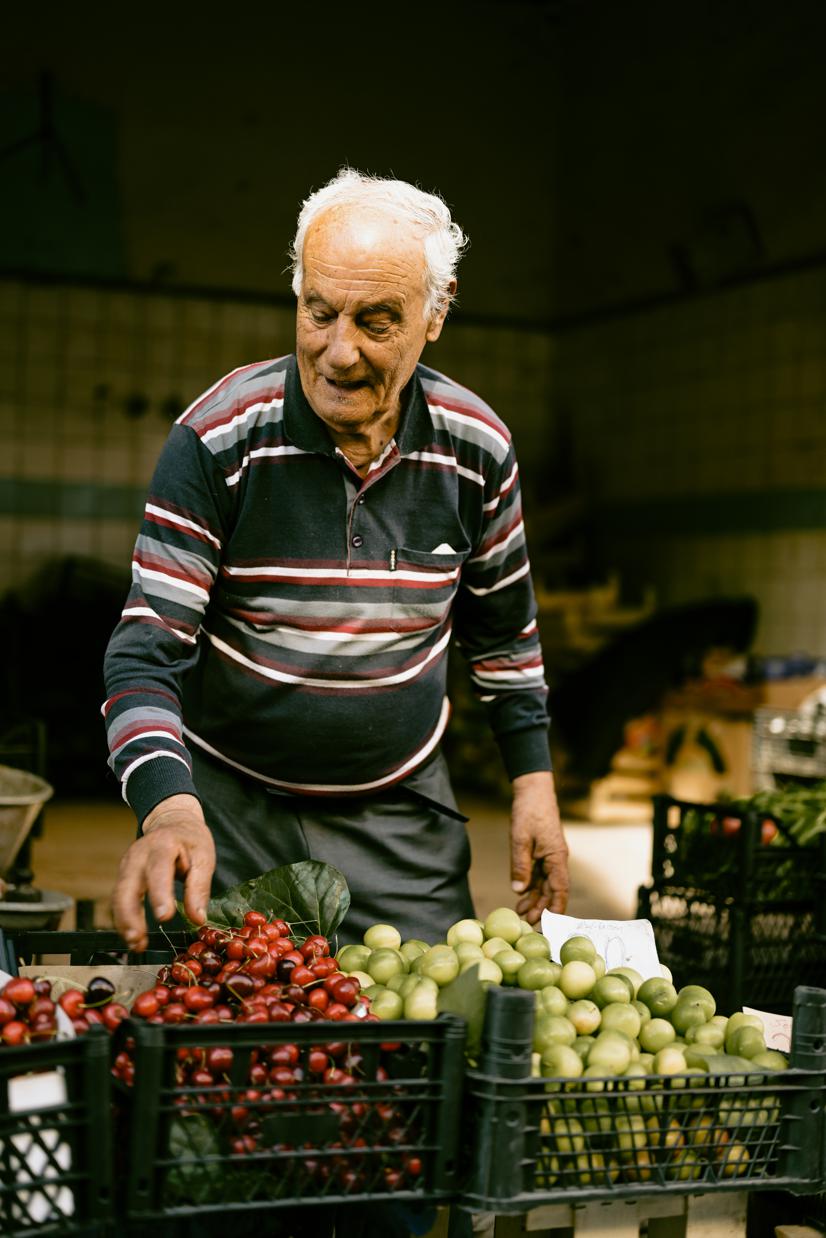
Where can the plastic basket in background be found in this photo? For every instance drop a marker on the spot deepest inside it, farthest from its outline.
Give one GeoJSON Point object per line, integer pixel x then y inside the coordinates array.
{"type": "Point", "coordinates": [383, 1126]}
{"type": "Point", "coordinates": [788, 743]}
{"type": "Point", "coordinates": [55, 1150]}
{"type": "Point", "coordinates": [546, 1141]}
{"type": "Point", "coordinates": [741, 915]}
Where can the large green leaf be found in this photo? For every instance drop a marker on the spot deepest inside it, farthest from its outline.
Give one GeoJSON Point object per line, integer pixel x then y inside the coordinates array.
{"type": "Point", "coordinates": [311, 896]}
{"type": "Point", "coordinates": [466, 996]}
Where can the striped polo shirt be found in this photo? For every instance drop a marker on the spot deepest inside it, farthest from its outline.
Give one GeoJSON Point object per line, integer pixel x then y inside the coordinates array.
{"type": "Point", "coordinates": [293, 619]}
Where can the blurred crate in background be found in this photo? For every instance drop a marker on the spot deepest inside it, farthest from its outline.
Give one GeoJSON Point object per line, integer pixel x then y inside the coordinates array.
{"type": "Point", "coordinates": [788, 743]}
{"type": "Point", "coordinates": [744, 916]}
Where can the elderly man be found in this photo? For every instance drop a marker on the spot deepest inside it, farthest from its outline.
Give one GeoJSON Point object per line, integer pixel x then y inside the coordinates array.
{"type": "Point", "coordinates": [316, 529]}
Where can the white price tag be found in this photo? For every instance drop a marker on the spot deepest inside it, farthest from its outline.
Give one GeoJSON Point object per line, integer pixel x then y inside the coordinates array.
{"type": "Point", "coordinates": [621, 943]}
{"type": "Point", "coordinates": [778, 1029]}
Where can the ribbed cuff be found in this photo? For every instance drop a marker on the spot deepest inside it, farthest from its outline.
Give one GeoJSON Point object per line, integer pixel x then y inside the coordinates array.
{"type": "Point", "coordinates": [525, 751]}
{"type": "Point", "coordinates": [156, 780]}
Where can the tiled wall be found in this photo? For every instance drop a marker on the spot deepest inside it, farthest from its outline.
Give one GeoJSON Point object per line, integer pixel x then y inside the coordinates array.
{"type": "Point", "coordinates": [90, 380]}
{"type": "Point", "coordinates": [700, 438]}
{"type": "Point", "coordinates": [698, 430]}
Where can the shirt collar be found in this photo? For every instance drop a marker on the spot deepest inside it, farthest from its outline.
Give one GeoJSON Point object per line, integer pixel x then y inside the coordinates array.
{"type": "Point", "coordinates": [306, 430]}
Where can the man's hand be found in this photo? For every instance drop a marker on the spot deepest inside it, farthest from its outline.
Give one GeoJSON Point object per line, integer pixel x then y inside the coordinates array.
{"type": "Point", "coordinates": [176, 842]}
{"type": "Point", "coordinates": [539, 853]}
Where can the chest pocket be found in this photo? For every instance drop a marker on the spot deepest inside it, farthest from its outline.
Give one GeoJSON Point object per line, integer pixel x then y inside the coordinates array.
{"type": "Point", "coordinates": [424, 586]}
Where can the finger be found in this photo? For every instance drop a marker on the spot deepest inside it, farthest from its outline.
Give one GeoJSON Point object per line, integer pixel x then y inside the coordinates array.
{"type": "Point", "coordinates": [127, 902]}
{"type": "Point", "coordinates": [198, 882]}
{"type": "Point", "coordinates": [161, 866]}
{"type": "Point", "coordinates": [521, 864]}
{"type": "Point", "coordinates": [559, 901]}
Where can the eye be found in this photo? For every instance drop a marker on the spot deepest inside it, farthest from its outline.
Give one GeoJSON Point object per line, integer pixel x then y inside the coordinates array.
{"type": "Point", "coordinates": [378, 326]}
{"type": "Point", "coordinates": [321, 316]}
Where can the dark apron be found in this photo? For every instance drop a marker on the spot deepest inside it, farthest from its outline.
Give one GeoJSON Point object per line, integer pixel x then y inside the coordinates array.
{"type": "Point", "coordinates": [404, 852]}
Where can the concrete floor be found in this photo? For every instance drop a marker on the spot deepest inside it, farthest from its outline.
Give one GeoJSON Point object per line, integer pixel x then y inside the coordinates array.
{"type": "Point", "coordinates": [82, 843]}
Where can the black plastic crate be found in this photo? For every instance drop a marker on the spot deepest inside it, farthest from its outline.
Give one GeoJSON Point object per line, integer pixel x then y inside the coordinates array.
{"type": "Point", "coordinates": [789, 743]}
{"type": "Point", "coordinates": [546, 1141]}
{"type": "Point", "coordinates": [718, 848]}
{"type": "Point", "coordinates": [55, 1159]}
{"type": "Point", "coordinates": [389, 1135]}
{"type": "Point", "coordinates": [744, 917]}
{"type": "Point", "coordinates": [85, 947]}
{"type": "Point", "coordinates": [748, 956]}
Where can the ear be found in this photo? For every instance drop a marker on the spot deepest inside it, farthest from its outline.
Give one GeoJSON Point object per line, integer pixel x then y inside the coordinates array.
{"type": "Point", "coordinates": [437, 321]}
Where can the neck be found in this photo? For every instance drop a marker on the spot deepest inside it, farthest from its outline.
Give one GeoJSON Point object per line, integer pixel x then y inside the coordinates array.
{"type": "Point", "coordinates": [363, 446]}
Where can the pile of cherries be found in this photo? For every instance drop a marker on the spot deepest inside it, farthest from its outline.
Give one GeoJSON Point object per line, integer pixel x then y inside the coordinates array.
{"type": "Point", "coordinates": [253, 974]}
{"type": "Point", "coordinates": [260, 974]}
{"type": "Point", "coordinates": [28, 1012]}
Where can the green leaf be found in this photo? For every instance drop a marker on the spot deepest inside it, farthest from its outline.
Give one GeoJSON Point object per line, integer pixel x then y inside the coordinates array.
{"type": "Point", "coordinates": [466, 996]}
{"type": "Point", "coordinates": [311, 896]}
{"type": "Point", "coordinates": [193, 1140]}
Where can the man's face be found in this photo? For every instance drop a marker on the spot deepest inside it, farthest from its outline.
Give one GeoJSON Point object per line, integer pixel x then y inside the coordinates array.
{"type": "Point", "coordinates": [361, 325]}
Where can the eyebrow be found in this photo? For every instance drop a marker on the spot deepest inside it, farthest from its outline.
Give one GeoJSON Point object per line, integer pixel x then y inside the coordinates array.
{"type": "Point", "coordinates": [393, 308]}
{"type": "Point", "coordinates": [382, 307]}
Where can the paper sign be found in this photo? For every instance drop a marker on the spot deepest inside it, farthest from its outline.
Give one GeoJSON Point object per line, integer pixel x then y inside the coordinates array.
{"type": "Point", "coordinates": [778, 1029]}
{"type": "Point", "coordinates": [621, 943]}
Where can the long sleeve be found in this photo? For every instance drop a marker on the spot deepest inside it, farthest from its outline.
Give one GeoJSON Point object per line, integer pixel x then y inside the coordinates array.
{"type": "Point", "coordinates": [175, 564]}
{"type": "Point", "coordinates": [496, 629]}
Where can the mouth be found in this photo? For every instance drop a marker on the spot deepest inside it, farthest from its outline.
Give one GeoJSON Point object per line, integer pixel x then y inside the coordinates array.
{"type": "Point", "coordinates": [341, 384]}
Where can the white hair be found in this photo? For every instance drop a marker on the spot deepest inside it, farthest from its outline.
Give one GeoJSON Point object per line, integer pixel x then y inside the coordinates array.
{"type": "Point", "coordinates": [444, 241]}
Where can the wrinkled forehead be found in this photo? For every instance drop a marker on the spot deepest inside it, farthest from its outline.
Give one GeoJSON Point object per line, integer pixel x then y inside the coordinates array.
{"type": "Point", "coordinates": [365, 244]}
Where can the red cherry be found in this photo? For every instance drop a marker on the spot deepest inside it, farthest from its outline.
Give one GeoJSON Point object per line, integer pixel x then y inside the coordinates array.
{"type": "Point", "coordinates": [302, 975]}
{"type": "Point", "coordinates": [344, 990]}
{"type": "Point", "coordinates": [285, 1055]}
{"type": "Point", "coordinates": [319, 999]}
{"type": "Point", "coordinates": [209, 1015]}
{"type": "Point", "coordinates": [7, 1011]}
{"type": "Point", "coordinates": [175, 1012]}
{"type": "Point", "coordinates": [146, 1004]}
{"type": "Point", "coordinates": [197, 998]}
{"type": "Point", "coordinates": [255, 918]}
{"type": "Point", "coordinates": [20, 990]}
{"type": "Point", "coordinates": [113, 1014]}
{"type": "Point", "coordinates": [219, 1059]}
{"type": "Point", "coordinates": [278, 1012]}
{"type": "Point", "coordinates": [15, 1032]}
{"type": "Point", "coordinates": [317, 1061]}
{"type": "Point", "coordinates": [43, 1027]}
{"type": "Point", "coordinates": [315, 946]}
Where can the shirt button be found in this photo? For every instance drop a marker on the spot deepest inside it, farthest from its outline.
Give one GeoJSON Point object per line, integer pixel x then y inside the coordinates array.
{"type": "Point", "coordinates": [361, 500]}
{"type": "Point", "coordinates": [358, 540]}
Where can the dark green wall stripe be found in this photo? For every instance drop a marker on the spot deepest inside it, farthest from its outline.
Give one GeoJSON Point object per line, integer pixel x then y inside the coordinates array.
{"type": "Point", "coordinates": [769, 511]}
{"type": "Point", "coordinates": [677, 515]}
{"type": "Point", "coordinates": [67, 500]}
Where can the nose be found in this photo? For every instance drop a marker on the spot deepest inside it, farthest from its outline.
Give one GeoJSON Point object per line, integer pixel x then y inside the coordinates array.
{"type": "Point", "coordinates": [342, 344]}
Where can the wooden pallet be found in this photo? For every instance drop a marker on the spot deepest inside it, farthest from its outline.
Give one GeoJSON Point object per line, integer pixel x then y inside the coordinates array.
{"type": "Point", "coordinates": [711, 1215]}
